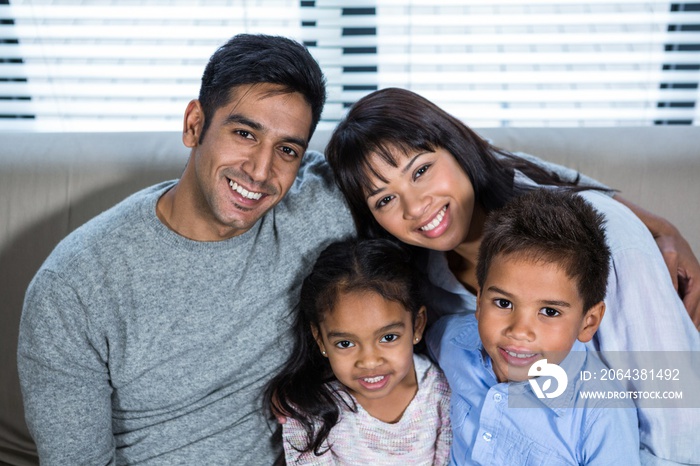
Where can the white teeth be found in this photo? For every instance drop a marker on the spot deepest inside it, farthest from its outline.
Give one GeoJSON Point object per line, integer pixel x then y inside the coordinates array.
{"type": "Point", "coordinates": [520, 355]}
{"type": "Point", "coordinates": [244, 192]}
{"type": "Point", "coordinates": [436, 221]}
{"type": "Point", "coordinates": [376, 379]}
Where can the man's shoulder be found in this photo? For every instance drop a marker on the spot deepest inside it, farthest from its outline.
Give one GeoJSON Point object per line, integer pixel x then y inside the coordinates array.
{"type": "Point", "coordinates": [315, 201]}
{"type": "Point", "coordinates": [95, 236]}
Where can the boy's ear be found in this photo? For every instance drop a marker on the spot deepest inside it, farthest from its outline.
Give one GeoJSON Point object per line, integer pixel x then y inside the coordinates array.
{"type": "Point", "coordinates": [419, 324]}
{"type": "Point", "coordinates": [319, 340]}
{"type": "Point", "coordinates": [591, 322]}
{"type": "Point", "coordinates": [192, 124]}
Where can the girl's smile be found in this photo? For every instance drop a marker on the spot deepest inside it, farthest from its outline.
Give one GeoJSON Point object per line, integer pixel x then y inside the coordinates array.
{"type": "Point", "coordinates": [369, 340]}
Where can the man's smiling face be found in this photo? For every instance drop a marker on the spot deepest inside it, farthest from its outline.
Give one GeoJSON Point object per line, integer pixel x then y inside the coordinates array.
{"type": "Point", "coordinates": [245, 163]}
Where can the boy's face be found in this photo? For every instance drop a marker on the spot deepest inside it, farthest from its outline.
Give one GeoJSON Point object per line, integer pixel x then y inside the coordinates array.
{"type": "Point", "coordinates": [530, 310]}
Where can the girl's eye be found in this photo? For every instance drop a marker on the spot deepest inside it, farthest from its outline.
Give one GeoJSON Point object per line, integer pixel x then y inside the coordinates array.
{"type": "Point", "coordinates": [383, 201]}
{"type": "Point", "coordinates": [421, 170]}
{"type": "Point", "coordinates": [502, 303]}
{"type": "Point", "coordinates": [389, 338]}
{"type": "Point", "coordinates": [549, 312]}
{"type": "Point", "coordinates": [344, 344]}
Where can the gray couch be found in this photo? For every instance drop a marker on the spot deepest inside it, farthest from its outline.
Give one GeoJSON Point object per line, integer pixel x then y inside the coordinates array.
{"type": "Point", "coordinates": [52, 183]}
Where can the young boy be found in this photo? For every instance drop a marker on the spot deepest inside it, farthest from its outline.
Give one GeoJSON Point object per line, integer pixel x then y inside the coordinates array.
{"type": "Point", "coordinates": [516, 384]}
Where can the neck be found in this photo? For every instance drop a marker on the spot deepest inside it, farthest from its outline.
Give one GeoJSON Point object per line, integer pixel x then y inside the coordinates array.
{"type": "Point", "coordinates": [462, 259]}
{"type": "Point", "coordinates": [468, 250]}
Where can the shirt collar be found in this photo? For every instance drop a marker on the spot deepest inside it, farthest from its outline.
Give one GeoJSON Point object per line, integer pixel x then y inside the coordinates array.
{"type": "Point", "coordinates": [560, 405]}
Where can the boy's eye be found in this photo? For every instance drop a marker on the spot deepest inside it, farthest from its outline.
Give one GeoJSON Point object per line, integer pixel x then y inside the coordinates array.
{"type": "Point", "coordinates": [389, 338]}
{"type": "Point", "coordinates": [344, 344]}
{"type": "Point", "coordinates": [549, 312]}
{"type": "Point", "coordinates": [502, 303]}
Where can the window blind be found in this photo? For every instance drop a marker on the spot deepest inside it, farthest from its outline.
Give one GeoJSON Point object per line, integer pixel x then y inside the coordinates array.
{"type": "Point", "coordinates": [545, 63]}
{"type": "Point", "coordinates": [103, 65]}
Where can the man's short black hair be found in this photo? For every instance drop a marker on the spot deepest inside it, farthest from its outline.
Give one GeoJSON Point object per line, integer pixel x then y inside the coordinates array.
{"type": "Point", "coordinates": [554, 226]}
{"type": "Point", "coordinates": [258, 59]}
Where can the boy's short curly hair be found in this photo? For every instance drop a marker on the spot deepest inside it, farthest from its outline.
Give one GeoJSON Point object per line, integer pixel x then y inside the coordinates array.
{"type": "Point", "coordinates": [553, 226]}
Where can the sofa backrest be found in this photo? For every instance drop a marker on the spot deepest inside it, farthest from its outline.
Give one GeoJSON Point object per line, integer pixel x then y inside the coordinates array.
{"type": "Point", "coordinates": [52, 183]}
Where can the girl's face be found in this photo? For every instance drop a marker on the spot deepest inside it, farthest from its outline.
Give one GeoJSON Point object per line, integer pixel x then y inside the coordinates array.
{"type": "Point", "coordinates": [369, 343]}
{"type": "Point", "coordinates": [427, 200]}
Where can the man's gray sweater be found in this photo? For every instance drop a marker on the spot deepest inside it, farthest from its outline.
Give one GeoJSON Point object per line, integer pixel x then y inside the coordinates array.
{"type": "Point", "coordinates": [139, 345]}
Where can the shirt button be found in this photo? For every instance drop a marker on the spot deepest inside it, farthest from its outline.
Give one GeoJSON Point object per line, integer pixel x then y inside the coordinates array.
{"type": "Point", "coordinates": [487, 436]}
{"type": "Point", "coordinates": [497, 397]}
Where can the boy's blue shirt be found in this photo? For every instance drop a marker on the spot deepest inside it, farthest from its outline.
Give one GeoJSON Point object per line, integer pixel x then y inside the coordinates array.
{"type": "Point", "coordinates": [553, 431]}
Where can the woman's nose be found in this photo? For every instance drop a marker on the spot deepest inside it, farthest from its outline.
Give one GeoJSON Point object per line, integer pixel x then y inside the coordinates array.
{"type": "Point", "coordinates": [415, 205]}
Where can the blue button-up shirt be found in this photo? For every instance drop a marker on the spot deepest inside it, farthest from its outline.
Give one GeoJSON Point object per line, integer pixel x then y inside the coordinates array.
{"type": "Point", "coordinates": [506, 424]}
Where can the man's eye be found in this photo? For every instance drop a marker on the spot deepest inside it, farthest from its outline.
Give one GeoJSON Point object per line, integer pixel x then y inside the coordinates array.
{"type": "Point", "coordinates": [549, 312]}
{"type": "Point", "coordinates": [389, 338]}
{"type": "Point", "coordinates": [344, 344]}
{"type": "Point", "coordinates": [290, 151]}
{"type": "Point", "coordinates": [502, 303]}
{"type": "Point", "coordinates": [244, 133]}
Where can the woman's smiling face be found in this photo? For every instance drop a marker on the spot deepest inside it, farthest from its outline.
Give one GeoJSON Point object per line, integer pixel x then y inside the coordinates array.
{"type": "Point", "coordinates": [427, 200]}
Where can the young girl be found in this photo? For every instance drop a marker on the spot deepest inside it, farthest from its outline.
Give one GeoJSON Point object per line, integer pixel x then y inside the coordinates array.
{"type": "Point", "coordinates": [353, 390]}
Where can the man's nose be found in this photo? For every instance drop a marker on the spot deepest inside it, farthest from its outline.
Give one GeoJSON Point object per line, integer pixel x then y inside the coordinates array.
{"type": "Point", "coordinates": [259, 163]}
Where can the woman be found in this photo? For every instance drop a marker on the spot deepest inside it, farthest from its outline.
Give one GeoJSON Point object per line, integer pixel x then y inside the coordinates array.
{"type": "Point", "coordinates": [411, 171]}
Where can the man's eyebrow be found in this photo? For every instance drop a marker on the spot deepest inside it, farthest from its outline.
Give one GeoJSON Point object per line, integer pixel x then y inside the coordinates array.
{"type": "Point", "coordinates": [405, 169]}
{"type": "Point", "coordinates": [240, 119]}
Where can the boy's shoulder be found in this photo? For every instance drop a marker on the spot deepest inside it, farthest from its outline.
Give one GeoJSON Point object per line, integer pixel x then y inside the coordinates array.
{"type": "Point", "coordinates": [458, 330]}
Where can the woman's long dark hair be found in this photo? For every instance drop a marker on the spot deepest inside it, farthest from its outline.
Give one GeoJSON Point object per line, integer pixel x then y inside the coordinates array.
{"type": "Point", "coordinates": [400, 119]}
{"type": "Point", "coordinates": [302, 389]}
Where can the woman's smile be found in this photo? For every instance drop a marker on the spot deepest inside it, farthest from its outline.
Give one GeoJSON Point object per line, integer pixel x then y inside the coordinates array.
{"type": "Point", "coordinates": [437, 225]}
{"type": "Point", "coordinates": [426, 200]}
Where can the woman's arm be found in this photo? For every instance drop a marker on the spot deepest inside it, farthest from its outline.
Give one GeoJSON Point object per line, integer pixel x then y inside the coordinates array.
{"type": "Point", "coordinates": [680, 260]}
{"type": "Point", "coordinates": [679, 257]}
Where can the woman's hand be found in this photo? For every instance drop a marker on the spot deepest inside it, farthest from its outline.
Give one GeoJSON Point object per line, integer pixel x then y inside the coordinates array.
{"type": "Point", "coordinates": [678, 255]}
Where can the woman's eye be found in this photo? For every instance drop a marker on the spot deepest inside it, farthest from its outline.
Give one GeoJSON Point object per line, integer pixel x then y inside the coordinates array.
{"type": "Point", "coordinates": [502, 303]}
{"type": "Point", "coordinates": [549, 312]}
{"type": "Point", "coordinates": [344, 344]}
{"type": "Point", "coordinates": [389, 338]}
{"type": "Point", "coordinates": [383, 201]}
{"type": "Point", "coordinates": [421, 170]}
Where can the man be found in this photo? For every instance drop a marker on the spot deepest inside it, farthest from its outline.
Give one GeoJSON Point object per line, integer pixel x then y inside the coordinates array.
{"type": "Point", "coordinates": [149, 333]}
